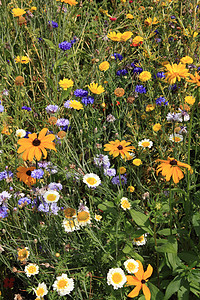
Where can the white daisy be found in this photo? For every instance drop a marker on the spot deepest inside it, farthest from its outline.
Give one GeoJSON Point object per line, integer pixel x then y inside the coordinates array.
{"type": "Point", "coordinates": [125, 204]}
{"type": "Point", "coordinates": [177, 138]}
{"type": "Point", "coordinates": [31, 269]}
{"type": "Point", "coordinates": [92, 180]}
{"type": "Point", "coordinates": [83, 218]}
{"type": "Point", "coordinates": [140, 241]}
{"type": "Point", "coordinates": [51, 196]}
{"type": "Point", "coordinates": [70, 225]}
{"type": "Point", "coordinates": [63, 285]}
{"type": "Point", "coordinates": [146, 143]}
{"type": "Point", "coordinates": [131, 266]}
{"type": "Point", "coordinates": [98, 217]}
{"type": "Point", "coordinates": [116, 278]}
{"type": "Point", "coordinates": [41, 290]}
{"type": "Point", "coordinates": [20, 133]}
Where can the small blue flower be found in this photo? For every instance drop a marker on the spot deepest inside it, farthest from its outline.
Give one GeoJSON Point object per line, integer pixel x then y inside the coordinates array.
{"type": "Point", "coordinates": [87, 100]}
{"type": "Point", "coordinates": [80, 93]}
{"type": "Point", "coordinates": [140, 89]}
{"type": "Point", "coordinates": [37, 173]}
{"type": "Point", "coordinates": [24, 201]}
{"type": "Point", "coordinates": [115, 180]}
{"type": "Point", "coordinates": [26, 108]}
{"type": "Point", "coordinates": [65, 46]}
{"type": "Point", "coordinates": [1, 108]}
{"type": "Point", "coordinates": [118, 56]}
{"type": "Point", "coordinates": [161, 101]}
{"type": "Point", "coordinates": [51, 109]}
{"type": "Point", "coordinates": [160, 75]}
{"type": "Point", "coordinates": [53, 24]}
{"type": "Point", "coordinates": [122, 72]}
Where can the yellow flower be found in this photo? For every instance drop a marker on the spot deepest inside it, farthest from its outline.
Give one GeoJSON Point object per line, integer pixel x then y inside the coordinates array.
{"type": "Point", "coordinates": [145, 76]}
{"type": "Point", "coordinates": [18, 12]}
{"type": "Point", "coordinates": [190, 100]}
{"type": "Point", "coordinates": [75, 104]}
{"type": "Point", "coordinates": [33, 8]}
{"type": "Point", "coordinates": [22, 59]}
{"type": "Point", "coordinates": [175, 71]}
{"type": "Point", "coordinates": [70, 2]}
{"type": "Point", "coordinates": [98, 217]}
{"type": "Point", "coordinates": [131, 189]}
{"type": "Point", "coordinates": [156, 127]}
{"type": "Point", "coordinates": [66, 83]}
{"type": "Point", "coordinates": [126, 36]}
{"type": "Point", "coordinates": [186, 60]}
{"type": "Point", "coordinates": [118, 148]}
{"type": "Point", "coordinates": [195, 34]}
{"type": "Point", "coordinates": [83, 218]}
{"type": "Point", "coordinates": [194, 79]}
{"type": "Point", "coordinates": [129, 16]}
{"type": "Point", "coordinates": [122, 170]}
{"type": "Point", "coordinates": [138, 40]}
{"type": "Point", "coordinates": [150, 107]}
{"type": "Point", "coordinates": [137, 162]}
{"type": "Point", "coordinates": [104, 66]}
{"type": "Point", "coordinates": [94, 88]}
{"type": "Point", "coordinates": [22, 254]}
{"type": "Point", "coordinates": [125, 204]}
{"type": "Point", "coordinates": [114, 36]}
{"type": "Point", "coordinates": [6, 130]}
{"type": "Point", "coordinates": [149, 21]}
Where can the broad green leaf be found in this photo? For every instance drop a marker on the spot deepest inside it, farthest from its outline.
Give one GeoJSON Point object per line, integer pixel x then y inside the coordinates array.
{"type": "Point", "coordinates": [102, 207]}
{"type": "Point", "coordinates": [166, 231]}
{"type": "Point", "coordinates": [173, 287]}
{"type": "Point", "coordinates": [196, 222]}
{"type": "Point", "coordinates": [141, 220]}
{"type": "Point", "coordinates": [183, 292]}
{"type": "Point", "coordinates": [156, 294]}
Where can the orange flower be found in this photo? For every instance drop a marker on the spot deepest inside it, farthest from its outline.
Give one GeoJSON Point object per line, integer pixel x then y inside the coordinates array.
{"type": "Point", "coordinates": [170, 168]}
{"type": "Point", "coordinates": [116, 147]}
{"type": "Point", "coordinates": [194, 79]}
{"type": "Point", "coordinates": [139, 280]}
{"type": "Point", "coordinates": [24, 174]}
{"type": "Point", "coordinates": [35, 146]}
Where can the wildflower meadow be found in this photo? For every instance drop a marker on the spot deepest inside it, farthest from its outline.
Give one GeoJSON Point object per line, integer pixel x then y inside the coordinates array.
{"type": "Point", "coordinates": [99, 149]}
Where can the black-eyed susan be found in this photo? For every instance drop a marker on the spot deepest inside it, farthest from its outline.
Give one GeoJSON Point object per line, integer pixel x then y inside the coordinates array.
{"type": "Point", "coordinates": [139, 280]}
{"type": "Point", "coordinates": [34, 146]}
{"type": "Point", "coordinates": [119, 148]}
{"type": "Point", "coordinates": [116, 278]}
{"type": "Point", "coordinates": [24, 174]}
{"type": "Point", "coordinates": [170, 168]}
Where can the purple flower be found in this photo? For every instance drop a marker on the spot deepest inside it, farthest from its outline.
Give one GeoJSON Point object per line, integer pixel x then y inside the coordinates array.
{"type": "Point", "coordinates": [102, 160]}
{"type": "Point", "coordinates": [80, 93]}
{"type": "Point", "coordinates": [53, 24]}
{"type": "Point", "coordinates": [161, 101]}
{"type": "Point", "coordinates": [183, 130]}
{"type": "Point", "coordinates": [54, 208]}
{"type": "Point", "coordinates": [51, 109]}
{"type": "Point", "coordinates": [24, 201]}
{"type": "Point", "coordinates": [4, 196]}
{"type": "Point", "coordinates": [110, 172]}
{"type": "Point", "coordinates": [44, 207]}
{"type": "Point", "coordinates": [87, 100]}
{"type": "Point", "coordinates": [67, 103]}
{"type": "Point", "coordinates": [55, 186]}
{"type": "Point", "coordinates": [115, 180]}
{"type": "Point", "coordinates": [62, 122]}
{"type": "Point", "coordinates": [5, 93]}
{"type": "Point", "coordinates": [174, 117]}
{"type": "Point", "coordinates": [160, 75]}
{"type": "Point", "coordinates": [118, 56]}
{"type": "Point", "coordinates": [5, 174]}
{"type": "Point", "coordinates": [3, 211]}
{"type": "Point", "coordinates": [140, 89]}
{"type": "Point", "coordinates": [122, 72]}
{"type": "Point", "coordinates": [65, 45]}
{"type": "Point", "coordinates": [43, 164]}
{"type": "Point", "coordinates": [137, 70]}
{"type": "Point", "coordinates": [1, 108]}
{"type": "Point", "coordinates": [26, 108]}
{"type": "Point", "coordinates": [37, 173]}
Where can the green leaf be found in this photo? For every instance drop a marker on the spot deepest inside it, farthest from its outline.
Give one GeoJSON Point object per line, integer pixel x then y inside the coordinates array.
{"type": "Point", "coordinates": [183, 292]}
{"type": "Point", "coordinates": [50, 44]}
{"type": "Point", "coordinates": [168, 247]}
{"type": "Point", "coordinates": [60, 62]}
{"type": "Point", "coordinates": [102, 207]}
{"type": "Point", "coordinates": [141, 220]}
{"type": "Point", "coordinates": [173, 287]}
{"type": "Point", "coordinates": [156, 294]}
{"type": "Point", "coordinates": [196, 222]}
{"type": "Point", "coordinates": [166, 231]}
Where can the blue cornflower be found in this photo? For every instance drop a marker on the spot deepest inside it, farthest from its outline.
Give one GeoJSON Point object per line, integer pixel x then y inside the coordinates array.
{"type": "Point", "coordinates": [74, 40]}
{"type": "Point", "coordinates": [62, 122]}
{"type": "Point", "coordinates": [3, 211]}
{"type": "Point", "coordinates": [122, 72]}
{"type": "Point", "coordinates": [65, 45]}
{"type": "Point", "coordinates": [118, 56]}
{"type": "Point", "coordinates": [110, 172]}
{"type": "Point", "coordinates": [87, 100]}
{"type": "Point", "coordinates": [37, 173]}
{"type": "Point", "coordinates": [5, 174]}
{"type": "Point", "coordinates": [80, 93]}
{"type": "Point", "coordinates": [53, 24]}
{"type": "Point", "coordinates": [137, 70]}
{"type": "Point", "coordinates": [173, 17]}
{"type": "Point", "coordinates": [115, 180]}
{"type": "Point", "coordinates": [161, 101]}
{"type": "Point", "coordinates": [140, 89]}
{"type": "Point", "coordinates": [51, 109]}
{"type": "Point", "coordinates": [65, 128]}
{"type": "Point", "coordinates": [1, 108]}
{"type": "Point", "coordinates": [24, 201]}
{"type": "Point", "coordinates": [26, 108]}
{"type": "Point", "coordinates": [173, 87]}
{"type": "Point", "coordinates": [55, 186]}
{"type": "Point", "coordinates": [160, 75]}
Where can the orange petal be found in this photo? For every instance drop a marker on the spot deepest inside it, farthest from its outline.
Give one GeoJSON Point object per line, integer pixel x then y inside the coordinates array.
{"type": "Point", "coordinates": [139, 274]}
{"type": "Point", "coordinates": [148, 272]}
{"type": "Point", "coordinates": [44, 152]}
{"type": "Point", "coordinates": [146, 292]}
{"type": "Point", "coordinates": [135, 291]}
{"type": "Point", "coordinates": [169, 174]}
{"type": "Point", "coordinates": [48, 146]}
{"type": "Point", "coordinates": [49, 138]}
{"type": "Point", "coordinates": [31, 153]}
{"type": "Point", "coordinates": [42, 133]}
{"type": "Point", "coordinates": [38, 153]}
{"type": "Point", "coordinates": [24, 142]}
{"type": "Point", "coordinates": [132, 280]}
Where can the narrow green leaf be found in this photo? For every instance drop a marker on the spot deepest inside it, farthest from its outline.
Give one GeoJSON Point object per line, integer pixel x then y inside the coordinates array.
{"type": "Point", "coordinates": [173, 287]}
{"type": "Point", "coordinates": [50, 44]}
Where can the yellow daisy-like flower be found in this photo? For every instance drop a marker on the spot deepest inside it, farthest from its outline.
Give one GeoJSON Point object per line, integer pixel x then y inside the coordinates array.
{"type": "Point", "coordinates": [22, 59]}
{"type": "Point", "coordinates": [66, 83]}
{"type": "Point", "coordinates": [125, 204]}
{"type": "Point", "coordinates": [138, 40]}
{"type": "Point", "coordinates": [98, 217]}
{"type": "Point", "coordinates": [34, 146]}
{"type": "Point", "coordinates": [186, 60]}
{"type": "Point", "coordinates": [95, 89]}
{"type": "Point", "coordinates": [194, 79]}
{"type": "Point", "coordinates": [114, 36]}
{"type": "Point", "coordinates": [131, 189]}
{"type": "Point", "coordinates": [75, 104]}
{"type": "Point", "coordinates": [70, 2]}
{"type": "Point", "coordinates": [41, 290]}
{"type": "Point", "coordinates": [31, 269]}
{"type": "Point", "coordinates": [22, 254]}
{"type": "Point", "coordinates": [129, 16]}
{"type": "Point", "coordinates": [150, 22]}
{"type": "Point", "coordinates": [190, 100]}
{"type": "Point", "coordinates": [63, 285]}
{"type": "Point", "coordinates": [116, 278]}
{"type": "Point", "coordinates": [118, 148]}
{"type": "Point", "coordinates": [126, 36]}
{"type": "Point", "coordinates": [137, 162]}
{"type": "Point", "coordinates": [150, 107]}
{"type": "Point", "coordinates": [83, 218]}
{"type": "Point", "coordinates": [156, 127]}
{"type": "Point", "coordinates": [104, 66]}
{"type": "Point", "coordinates": [122, 170]}
{"type": "Point", "coordinates": [18, 12]}
{"type": "Point", "coordinates": [176, 72]}
{"type": "Point", "coordinates": [145, 76]}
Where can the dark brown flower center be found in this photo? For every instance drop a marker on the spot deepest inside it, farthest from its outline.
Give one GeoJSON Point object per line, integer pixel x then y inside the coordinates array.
{"type": "Point", "coordinates": [173, 162]}
{"type": "Point", "coordinates": [120, 147]}
{"type": "Point", "coordinates": [28, 173]}
{"type": "Point", "coordinates": [36, 142]}
{"type": "Point", "coordinates": [143, 281]}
